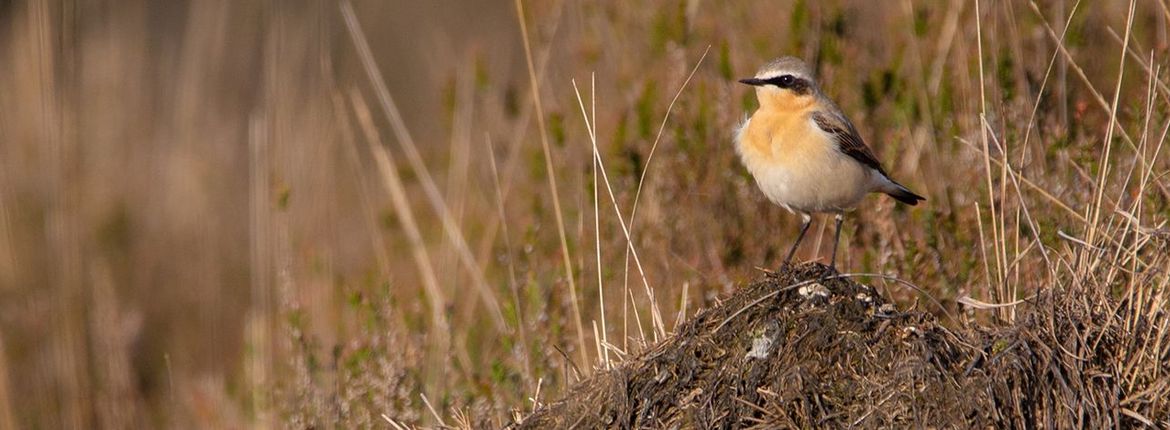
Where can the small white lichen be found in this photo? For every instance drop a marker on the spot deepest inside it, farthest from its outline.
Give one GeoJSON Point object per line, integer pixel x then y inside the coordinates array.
{"type": "Point", "coordinates": [761, 346]}
{"type": "Point", "coordinates": [814, 290]}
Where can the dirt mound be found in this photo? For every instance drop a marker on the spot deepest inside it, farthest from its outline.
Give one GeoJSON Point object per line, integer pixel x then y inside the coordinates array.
{"type": "Point", "coordinates": [802, 349]}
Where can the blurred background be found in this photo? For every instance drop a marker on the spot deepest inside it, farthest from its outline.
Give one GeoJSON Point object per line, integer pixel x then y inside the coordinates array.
{"type": "Point", "coordinates": [261, 214]}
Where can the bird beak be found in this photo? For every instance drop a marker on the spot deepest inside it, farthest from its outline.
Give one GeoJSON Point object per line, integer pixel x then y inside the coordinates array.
{"type": "Point", "coordinates": [752, 81]}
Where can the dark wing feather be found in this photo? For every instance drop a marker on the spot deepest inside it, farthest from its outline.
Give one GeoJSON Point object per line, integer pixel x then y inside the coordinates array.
{"type": "Point", "coordinates": [848, 141]}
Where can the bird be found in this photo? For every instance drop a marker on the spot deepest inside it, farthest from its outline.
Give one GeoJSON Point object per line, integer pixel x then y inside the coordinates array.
{"type": "Point", "coordinates": [805, 154]}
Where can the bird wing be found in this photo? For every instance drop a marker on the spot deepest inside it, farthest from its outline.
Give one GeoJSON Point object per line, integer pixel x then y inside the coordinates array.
{"type": "Point", "coordinates": [848, 141]}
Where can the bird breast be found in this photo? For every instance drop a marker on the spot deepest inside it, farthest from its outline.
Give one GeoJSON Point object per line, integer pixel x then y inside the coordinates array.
{"type": "Point", "coordinates": [799, 166]}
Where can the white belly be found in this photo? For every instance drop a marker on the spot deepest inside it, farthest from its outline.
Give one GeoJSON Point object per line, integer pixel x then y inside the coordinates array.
{"type": "Point", "coordinates": [831, 184]}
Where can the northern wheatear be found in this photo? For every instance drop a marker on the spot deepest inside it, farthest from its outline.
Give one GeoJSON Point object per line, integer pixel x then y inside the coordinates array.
{"type": "Point", "coordinates": [804, 153]}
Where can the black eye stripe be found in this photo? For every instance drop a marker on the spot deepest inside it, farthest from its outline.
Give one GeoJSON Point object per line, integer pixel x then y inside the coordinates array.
{"type": "Point", "coordinates": [784, 81]}
{"type": "Point", "coordinates": [799, 85]}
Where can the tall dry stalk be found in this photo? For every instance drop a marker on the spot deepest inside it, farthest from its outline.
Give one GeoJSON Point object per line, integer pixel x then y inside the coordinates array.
{"type": "Point", "coordinates": [552, 182]}
{"type": "Point", "coordinates": [655, 313]}
{"type": "Point", "coordinates": [7, 402]}
{"type": "Point", "coordinates": [392, 180]}
{"type": "Point", "coordinates": [414, 158]}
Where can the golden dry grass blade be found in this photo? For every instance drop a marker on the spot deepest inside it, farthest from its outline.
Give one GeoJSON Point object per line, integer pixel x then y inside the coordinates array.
{"type": "Point", "coordinates": [509, 253]}
{"type": "Point", "coordinates": [1080, 72]}
{"type": "Point", "coordinates": [658, 136]}
{"type": "Point", "coordinates": [392, 180]}
{"type": "Point", "coordinates": [996, 283]}
{"type": "Point", "coordinates": [550, 172]}
{"type": "Point", "coordinates": [7, 402]}
{"type": "Point", "coordinates": [1035, 187]}
{"type": "Point", "coordinates": [1099, 195]}
{"type": "Point", "coordinates": [981, 305]}
{"type": "Point", "coordinates": [655, 312]}
{"type": "Point", "coordinates": [406, 142]}
{"type": "Point", "coordinates": [8, 255]}
{"type": "Point", "coordinates": [646, 169]}
{"type": "Point", "coordinates": [602, 354]}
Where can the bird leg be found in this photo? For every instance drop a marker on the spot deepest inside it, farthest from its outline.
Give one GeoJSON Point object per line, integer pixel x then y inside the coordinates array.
{"type": "Point", "coordinates": [836, 239]}
{"type": "Point", "coordinates": [805, 221]}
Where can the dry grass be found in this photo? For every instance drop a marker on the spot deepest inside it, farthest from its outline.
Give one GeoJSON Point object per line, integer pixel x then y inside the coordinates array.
{"type": "Point", "coordinates": [808, 347]}
{"type": "Point", "coordinates": [227, 214]}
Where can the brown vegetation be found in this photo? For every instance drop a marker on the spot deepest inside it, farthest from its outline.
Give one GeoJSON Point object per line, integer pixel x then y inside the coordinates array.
{"type": "Point", "coordinates": [810, 348]}
{"type": "Point", "coordinates": [218, 213]}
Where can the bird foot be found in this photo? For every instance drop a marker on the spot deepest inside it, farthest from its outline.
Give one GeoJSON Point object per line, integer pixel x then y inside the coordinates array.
{"type": "Point", "coordinates": [786, 266]}
{"type": "Point", "coordinates": [828, 272]}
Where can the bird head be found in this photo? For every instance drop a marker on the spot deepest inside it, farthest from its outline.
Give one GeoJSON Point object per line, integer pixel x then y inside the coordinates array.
{"type": "Point", "coordinates": [786, 82]}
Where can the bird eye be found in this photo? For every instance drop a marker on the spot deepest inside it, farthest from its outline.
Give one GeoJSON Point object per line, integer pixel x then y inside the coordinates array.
{"type": "Point", "coordinates": [787, 80]}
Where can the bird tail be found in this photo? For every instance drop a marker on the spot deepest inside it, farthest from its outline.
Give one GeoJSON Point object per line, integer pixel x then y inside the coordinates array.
{"type": "Point", "coordinates": [903, 194]}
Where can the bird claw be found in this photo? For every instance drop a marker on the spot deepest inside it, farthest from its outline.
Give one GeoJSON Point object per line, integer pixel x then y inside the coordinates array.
{"type": "Point", "coordinates": [786, 266]}
{"type": "Point", "coordinates": [827, 273]}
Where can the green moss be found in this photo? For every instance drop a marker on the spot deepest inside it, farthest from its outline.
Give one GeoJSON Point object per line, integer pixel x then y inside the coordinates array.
{"type": "Point", "coordinates": [483, 80]}
{"type": "Point", "coordinates": [511, 314]}
{"type": "Point", "coordinates": [702, 119]}
{"type": "Point", "coordinates": [630, 162]}
{"type": "Point", "coordinates": [115, 232]}
{"type": "Point", "coordinates": [798, 25]}
{"type": "Point", "coordinates": [644, 109]}
{"type": "Point", "coordinates": [354, 300]}
{"type": "Point", "coordinates": [943, 103]}
{"type": "Point", "coordinates": [356, 359]}
{"type": "Point", "coordinates": [511, 102]}
{"type": "Point", "coordinates": [999, 346]}
{"type": "Point", "coordinates": [734, 252]}
{"type": "Point", "coordinates": [298, 319]}
{"type": "Point", "coordinates": [621, 132]}
{"type": "Point", "coordinates": [283, 195]}
{"type": "Point", "coordinates": [685, 144]}
{"type": "Point", "coordinates": [748, 102]}
{"type": "Point", "coordinates": [830, 51]}
{"type": "Point", "coordinates": [725, 69]}
{"type": "Point", "coordinates": [388, 219]}
{"type": "Point", "coordinates": [535, 162]}
{"type": "Point", "coordinates": [877, 87]}
{"type": "Point", "coordinates": [670, 25]}
{"type": "Point", "coordinates": [556, 128]}
{"type": "Point", "coordinates": [499, 372]}
{"type": "Point", "coordinates": [921, 22]}
{"type": "Point", "coordinates": [871, 94]}
{"type": "Point", "coordinates": [1005, 73]}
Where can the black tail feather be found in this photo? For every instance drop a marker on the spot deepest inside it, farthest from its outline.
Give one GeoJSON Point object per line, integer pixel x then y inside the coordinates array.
{"type": "Point", "coordinates": [904, 195]}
